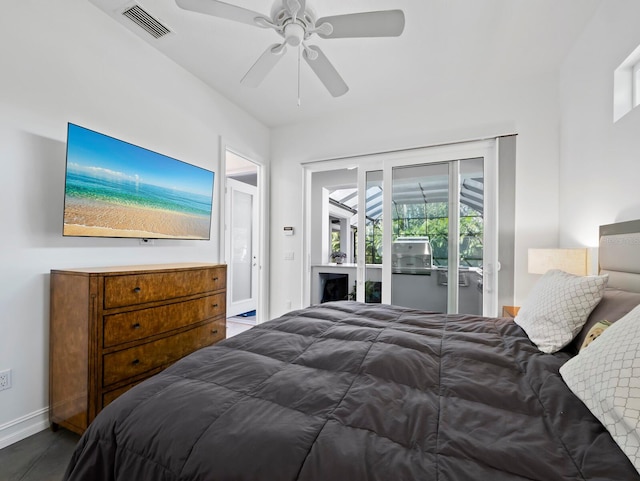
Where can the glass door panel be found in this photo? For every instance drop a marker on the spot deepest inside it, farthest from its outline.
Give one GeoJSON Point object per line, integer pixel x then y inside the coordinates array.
{"type": "Point", "coordinates": [438, 235]}
{"type": "Point", "coordinates": [241, 252]}
{"type": "Point", "coordinates": [373, 237]}
{"type": "Point", "coordinates": [471, 235]}
{"type": "Point", "coordinates": [420, 237]}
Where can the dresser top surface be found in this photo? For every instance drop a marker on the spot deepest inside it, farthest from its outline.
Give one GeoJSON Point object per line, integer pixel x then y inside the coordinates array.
{"type": "Point", "coordinates": [138, 268]}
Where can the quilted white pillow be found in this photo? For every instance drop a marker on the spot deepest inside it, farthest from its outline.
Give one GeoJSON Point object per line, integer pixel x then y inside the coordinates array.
{"type": "Point", "coordinates": [558, 307]}
{"type": "Point", "coordinates": [606, 377]}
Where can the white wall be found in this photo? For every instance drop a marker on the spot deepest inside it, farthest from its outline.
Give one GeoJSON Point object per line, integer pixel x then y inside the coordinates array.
{"type": "Point", "coordinates": [526, 106]}
{"type": "Point", "coordinates": [66, 61]}
{"type": "Point", "coordinates": [600, 168]}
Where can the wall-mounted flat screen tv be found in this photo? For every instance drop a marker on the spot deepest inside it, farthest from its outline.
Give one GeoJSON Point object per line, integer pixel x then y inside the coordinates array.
{"type": "Point", "coordinates": [117, 189]}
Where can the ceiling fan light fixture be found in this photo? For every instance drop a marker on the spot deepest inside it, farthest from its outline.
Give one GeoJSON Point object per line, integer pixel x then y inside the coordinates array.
{"type": "Point", "coordinates": [294, 34]}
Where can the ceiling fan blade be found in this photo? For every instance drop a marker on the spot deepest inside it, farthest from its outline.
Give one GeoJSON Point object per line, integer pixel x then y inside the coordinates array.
{"type": "Point", "coordinates": [385, 23]}
{"type": "Point", "coordinates": [326, 72]}
{"type": "Point", "coordinates": [222, 10]}
{"type": "Point", "coordinates": [259, 70]}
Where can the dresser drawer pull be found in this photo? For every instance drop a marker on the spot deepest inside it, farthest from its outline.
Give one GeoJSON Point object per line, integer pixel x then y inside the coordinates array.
{"type": "Point", "coordinates": [215, 279]}
{"type": "Point", "coordinates": [214, 331]}
{"type": "Point", "coordinates": [136, 325]}
{"type": "Point", "coordinates": [135, 362]}
{"type": "Point", "coordinates": [136, 290]}
{"type": "Point", "coordinates": [215, 305]}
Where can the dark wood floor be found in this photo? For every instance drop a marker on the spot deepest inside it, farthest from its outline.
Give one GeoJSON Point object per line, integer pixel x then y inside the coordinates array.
{"type": "Point", "coordinates": [41, 457]}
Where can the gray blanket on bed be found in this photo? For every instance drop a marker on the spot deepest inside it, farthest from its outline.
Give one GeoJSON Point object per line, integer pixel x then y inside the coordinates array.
{"type": "Point", "coordinates": [348, 392]}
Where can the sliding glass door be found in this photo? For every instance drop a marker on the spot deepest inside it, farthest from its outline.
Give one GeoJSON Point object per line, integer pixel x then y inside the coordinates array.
{"type": "Point", "coordinates": [425, 225]}
{"type": "Point", "coordinates": [419, 239]}
{"type": "Point", "coordinates": [434, 229]}
{"type": "Point", "coordinates": [438, 225]}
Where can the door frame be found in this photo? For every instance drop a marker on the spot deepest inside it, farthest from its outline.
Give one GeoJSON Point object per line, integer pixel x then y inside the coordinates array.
{"type": "Point", "coordinates": [262, 196]}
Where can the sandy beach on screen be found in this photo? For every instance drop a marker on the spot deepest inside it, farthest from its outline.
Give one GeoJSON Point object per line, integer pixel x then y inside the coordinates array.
{"type": "Point", "coordinates": [94, 218]}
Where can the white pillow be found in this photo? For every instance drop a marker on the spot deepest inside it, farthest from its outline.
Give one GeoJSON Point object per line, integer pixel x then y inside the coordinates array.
{"type": "Point", "coordinates": [558, 307]}
{"type": "Point", "coordinates": [606, 377]}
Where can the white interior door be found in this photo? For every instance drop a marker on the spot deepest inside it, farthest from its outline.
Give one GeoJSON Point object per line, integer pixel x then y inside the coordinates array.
{"type": "Point", "coordinates": [242, 243]}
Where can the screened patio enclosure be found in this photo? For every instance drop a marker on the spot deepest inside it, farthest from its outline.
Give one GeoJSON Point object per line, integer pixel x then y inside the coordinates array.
{"type": "Point", "coordinates": [420, 209]}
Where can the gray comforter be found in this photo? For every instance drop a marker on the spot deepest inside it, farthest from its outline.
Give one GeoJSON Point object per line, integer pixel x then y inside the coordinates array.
{"type": "Point", "coordinates": [348, 391]}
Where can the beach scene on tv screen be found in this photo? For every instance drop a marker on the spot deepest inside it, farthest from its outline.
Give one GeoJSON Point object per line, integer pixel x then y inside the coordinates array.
{"type": "Point", "coordinates": [116, 189]}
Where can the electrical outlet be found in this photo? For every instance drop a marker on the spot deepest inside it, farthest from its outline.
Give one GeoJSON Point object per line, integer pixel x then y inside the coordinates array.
{"type": "Point", "coordinates": [5, 379]}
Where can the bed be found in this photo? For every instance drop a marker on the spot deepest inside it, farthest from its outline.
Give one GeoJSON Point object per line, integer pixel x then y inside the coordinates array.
{"type": "Point", "coordinates": [352, 391]}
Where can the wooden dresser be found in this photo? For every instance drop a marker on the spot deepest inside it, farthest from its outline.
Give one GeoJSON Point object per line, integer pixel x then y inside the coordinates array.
{"type": "Point", "coordinates": [113, 327]}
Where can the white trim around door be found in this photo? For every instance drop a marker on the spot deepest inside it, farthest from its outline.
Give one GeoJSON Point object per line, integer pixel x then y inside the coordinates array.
{"type": "Point", "coordinates": [262, 196]}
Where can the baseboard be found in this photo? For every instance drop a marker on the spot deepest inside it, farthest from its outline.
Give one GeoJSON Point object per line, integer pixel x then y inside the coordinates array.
{"type": "Point", "coordinates": [23, 427]}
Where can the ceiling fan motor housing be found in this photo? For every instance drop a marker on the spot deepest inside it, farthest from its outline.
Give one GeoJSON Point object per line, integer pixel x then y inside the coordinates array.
{"type": "Point", "coordinates": [294, 34]}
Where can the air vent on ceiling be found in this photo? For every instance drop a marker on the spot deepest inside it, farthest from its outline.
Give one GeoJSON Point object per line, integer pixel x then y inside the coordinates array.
{"type": "Point", "coordinates": [145, 21]}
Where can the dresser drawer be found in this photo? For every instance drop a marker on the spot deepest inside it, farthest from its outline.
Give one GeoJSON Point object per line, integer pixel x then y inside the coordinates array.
{"type": "Point", "coordinates": [132, 289]}
{"type": "Point", "coordinates": [143, 323]}
{"type": "Point", "coordinates": [137, 360]}
{"type": "Point", "coordinates": [109, 397]}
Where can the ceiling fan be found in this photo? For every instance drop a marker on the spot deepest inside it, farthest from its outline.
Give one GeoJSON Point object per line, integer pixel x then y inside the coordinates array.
{"type": "Point", "coordinates": [295, 23]}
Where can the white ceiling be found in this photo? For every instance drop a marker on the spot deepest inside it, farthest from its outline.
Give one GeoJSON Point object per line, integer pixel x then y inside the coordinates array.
{"type": "Point", "coordinates": [445, 42]}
